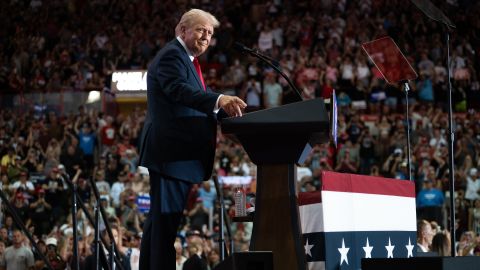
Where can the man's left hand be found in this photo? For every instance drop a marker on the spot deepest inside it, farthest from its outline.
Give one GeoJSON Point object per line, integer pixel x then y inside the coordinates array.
{"type": "Point", "coordinates": [232, 105]}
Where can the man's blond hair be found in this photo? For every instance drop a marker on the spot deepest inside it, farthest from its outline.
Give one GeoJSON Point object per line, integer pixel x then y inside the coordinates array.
{"type": "Point", "coordinates": [192, 17]}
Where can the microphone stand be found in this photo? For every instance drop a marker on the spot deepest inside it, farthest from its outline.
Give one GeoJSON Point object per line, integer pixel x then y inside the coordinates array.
{"type": "Point", "coordinates": [97, 236]}
{"type": "Point", "coordinates": [451, 140]}
{"type": "Point", "coordinates": [111, 261]}
{"type": "Point", "coordinates": [223, 221]}
{"type": "Point", "coordinates": [19, 222]}
{"type": "Point", "coordinates": [103, 256]}
{"type": "Point", "coordinates": [436, 14]}
{"type": "Point", "coordinates": [73, 187]}
{"type": "Point", "coordinates": [269, 62]}
{"type": "Point", "coordinates": [102, 212]}
{"type": "Point", "coordinates": [409, 163]}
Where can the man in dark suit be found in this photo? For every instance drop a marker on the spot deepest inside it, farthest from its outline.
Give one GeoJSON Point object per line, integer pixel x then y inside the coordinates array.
{"type": "Point", "coordinates": [179, 135]}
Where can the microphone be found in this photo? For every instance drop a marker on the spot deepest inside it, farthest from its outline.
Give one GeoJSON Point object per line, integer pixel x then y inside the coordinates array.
{"type": "Point", "coordinates": [269, 61]}
{"type": "Point", "coordinates": [252, 201]}
{"type": "Point", "coordinates": [251, 209]}
{"type": "Point", "coordinates": [242, 48]}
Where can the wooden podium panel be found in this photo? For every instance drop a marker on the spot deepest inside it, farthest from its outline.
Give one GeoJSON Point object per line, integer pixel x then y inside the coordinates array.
{"type": "Point", "coordinates": [276, 225]}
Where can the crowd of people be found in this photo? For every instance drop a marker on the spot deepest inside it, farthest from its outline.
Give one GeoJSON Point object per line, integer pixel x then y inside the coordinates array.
{"type": "Point", "coordinates": [50, 46]}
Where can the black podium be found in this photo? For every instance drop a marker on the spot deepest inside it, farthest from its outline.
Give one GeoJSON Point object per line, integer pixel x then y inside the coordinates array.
{"type": "Point", "coordinates": [253, 260]}
{"type": "Point", "coordinates": [422, 263]}
{"type": "Point", "coordinates": [276, 140]}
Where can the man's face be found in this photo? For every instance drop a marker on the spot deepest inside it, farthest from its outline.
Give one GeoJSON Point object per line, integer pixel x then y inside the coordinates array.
{"type": "Point", "coordinates": [51, 250]}
{"type": "Point", "coordinates": [197, 36]}
{"type": "Point", "coordinates": [17, 237]}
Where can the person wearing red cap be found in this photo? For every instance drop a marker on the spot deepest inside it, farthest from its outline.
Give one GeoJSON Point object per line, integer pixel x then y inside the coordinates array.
{"type": "Point", "coordinates": [40, 213]}
{"type": "Point", "coordinates": [21, 206]}
{"type": "Point", "coordinates": [23, 185]}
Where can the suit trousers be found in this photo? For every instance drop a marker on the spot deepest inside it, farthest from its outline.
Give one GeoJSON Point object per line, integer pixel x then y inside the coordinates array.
{"type": "Point", "coordinates": [167, 201]}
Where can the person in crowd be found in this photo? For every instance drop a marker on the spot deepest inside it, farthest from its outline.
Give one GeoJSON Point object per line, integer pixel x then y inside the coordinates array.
{"type": "Point", "coordinates": [23, 186]}
{"type": "Point", "coordinates": [37, 254]}
{"type": "Point", "coordinates": [9, 159]}
{"type": "Point", "coordinates": [179, 258]}
{"type": "Point", "coordinates": [102, 185]}
{"type": "Point", "coordinates": [20, 206]}
{"type": "Point", "coordinates": [52, 255]}
{"type": "Point", "coordinates": [467, 244]}
{"type": "Point", "coordinates": [441, 244]}
{"type": "Point", "coordinates": [56, 195]}
{"type": "Point", "coordinates": [207, 194]}
{"type": "Point", "coordinates": [430, 202]}
{"type": "Point", "coordinates": [17, 256]}
{"type": "Point", "coordinates": [424, 236]}
{"type": "Point", "coordinates": [472, 190]}
{"type": "Point", "coordinates": [4, 236]}
{"type": "Point", "coordinates": [213, 258]}
{"type": "Point", "coordinates": [117, 188]}
{"type": "Point", "coordinates": [272, 91]}
{"type": "Point", "coordinates": [3, 246]}
{"type": "Point", "coordinates": [87, 142]}
{"type": "Point", "coordinates": [195, 260]}
{"type": "Point", "coordinates": [131, 217]}
{"type": "Point", "coordinates": [474, 217]}
{"type": "Point", "coordinates": [198, 215]}
{"type": "Point", "coordinates": [40, 214]}
{"type": "Point", "coordinates": [124, 260]}
{"type": "Point", "coordinates": [131, 248]}
{"type": "Point", "coordinates": [178, 101]}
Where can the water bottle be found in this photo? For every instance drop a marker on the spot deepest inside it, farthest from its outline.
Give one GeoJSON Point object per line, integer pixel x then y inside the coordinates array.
{"type": "Point", "coordinates": [240, 202]}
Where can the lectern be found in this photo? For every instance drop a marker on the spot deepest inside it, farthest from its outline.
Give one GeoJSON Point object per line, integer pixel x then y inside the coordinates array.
{"type": "Point", "coordinates": [276, 140]}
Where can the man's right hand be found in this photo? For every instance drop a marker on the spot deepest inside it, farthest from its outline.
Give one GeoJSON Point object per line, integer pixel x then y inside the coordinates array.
{"type": "Point", "coordinates": [232, 105]}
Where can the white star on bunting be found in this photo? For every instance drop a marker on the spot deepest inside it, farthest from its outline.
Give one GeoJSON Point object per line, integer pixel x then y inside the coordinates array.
{"type": "Point", "coordinates": [308, 249]}
{"type": "Point", "coordinates": [343, 253]}
{"type": "Point", "coordinates": [389, 249]}
{"type": "Point", "coordinates": [409, 248]}
{"type": "Point", "coordinates": [368, 250]}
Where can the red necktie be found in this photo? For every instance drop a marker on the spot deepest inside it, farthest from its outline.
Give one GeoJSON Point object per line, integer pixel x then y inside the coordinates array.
{"type": "Point", "coordinates": [199, 71]}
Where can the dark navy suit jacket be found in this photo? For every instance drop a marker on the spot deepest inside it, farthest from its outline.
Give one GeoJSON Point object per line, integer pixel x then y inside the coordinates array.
{"type": "Point", "coordinates": [179, 135]}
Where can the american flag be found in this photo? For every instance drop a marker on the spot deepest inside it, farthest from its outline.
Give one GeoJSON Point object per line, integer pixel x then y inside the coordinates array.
{"type": "Point", "coordinates": [355, 217]}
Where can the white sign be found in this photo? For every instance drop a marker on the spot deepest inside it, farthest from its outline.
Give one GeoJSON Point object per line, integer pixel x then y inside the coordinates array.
{"type": "Point", "coordinates": [235, 180]}
{"type": "Point", "coordinates": [129, 80]}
